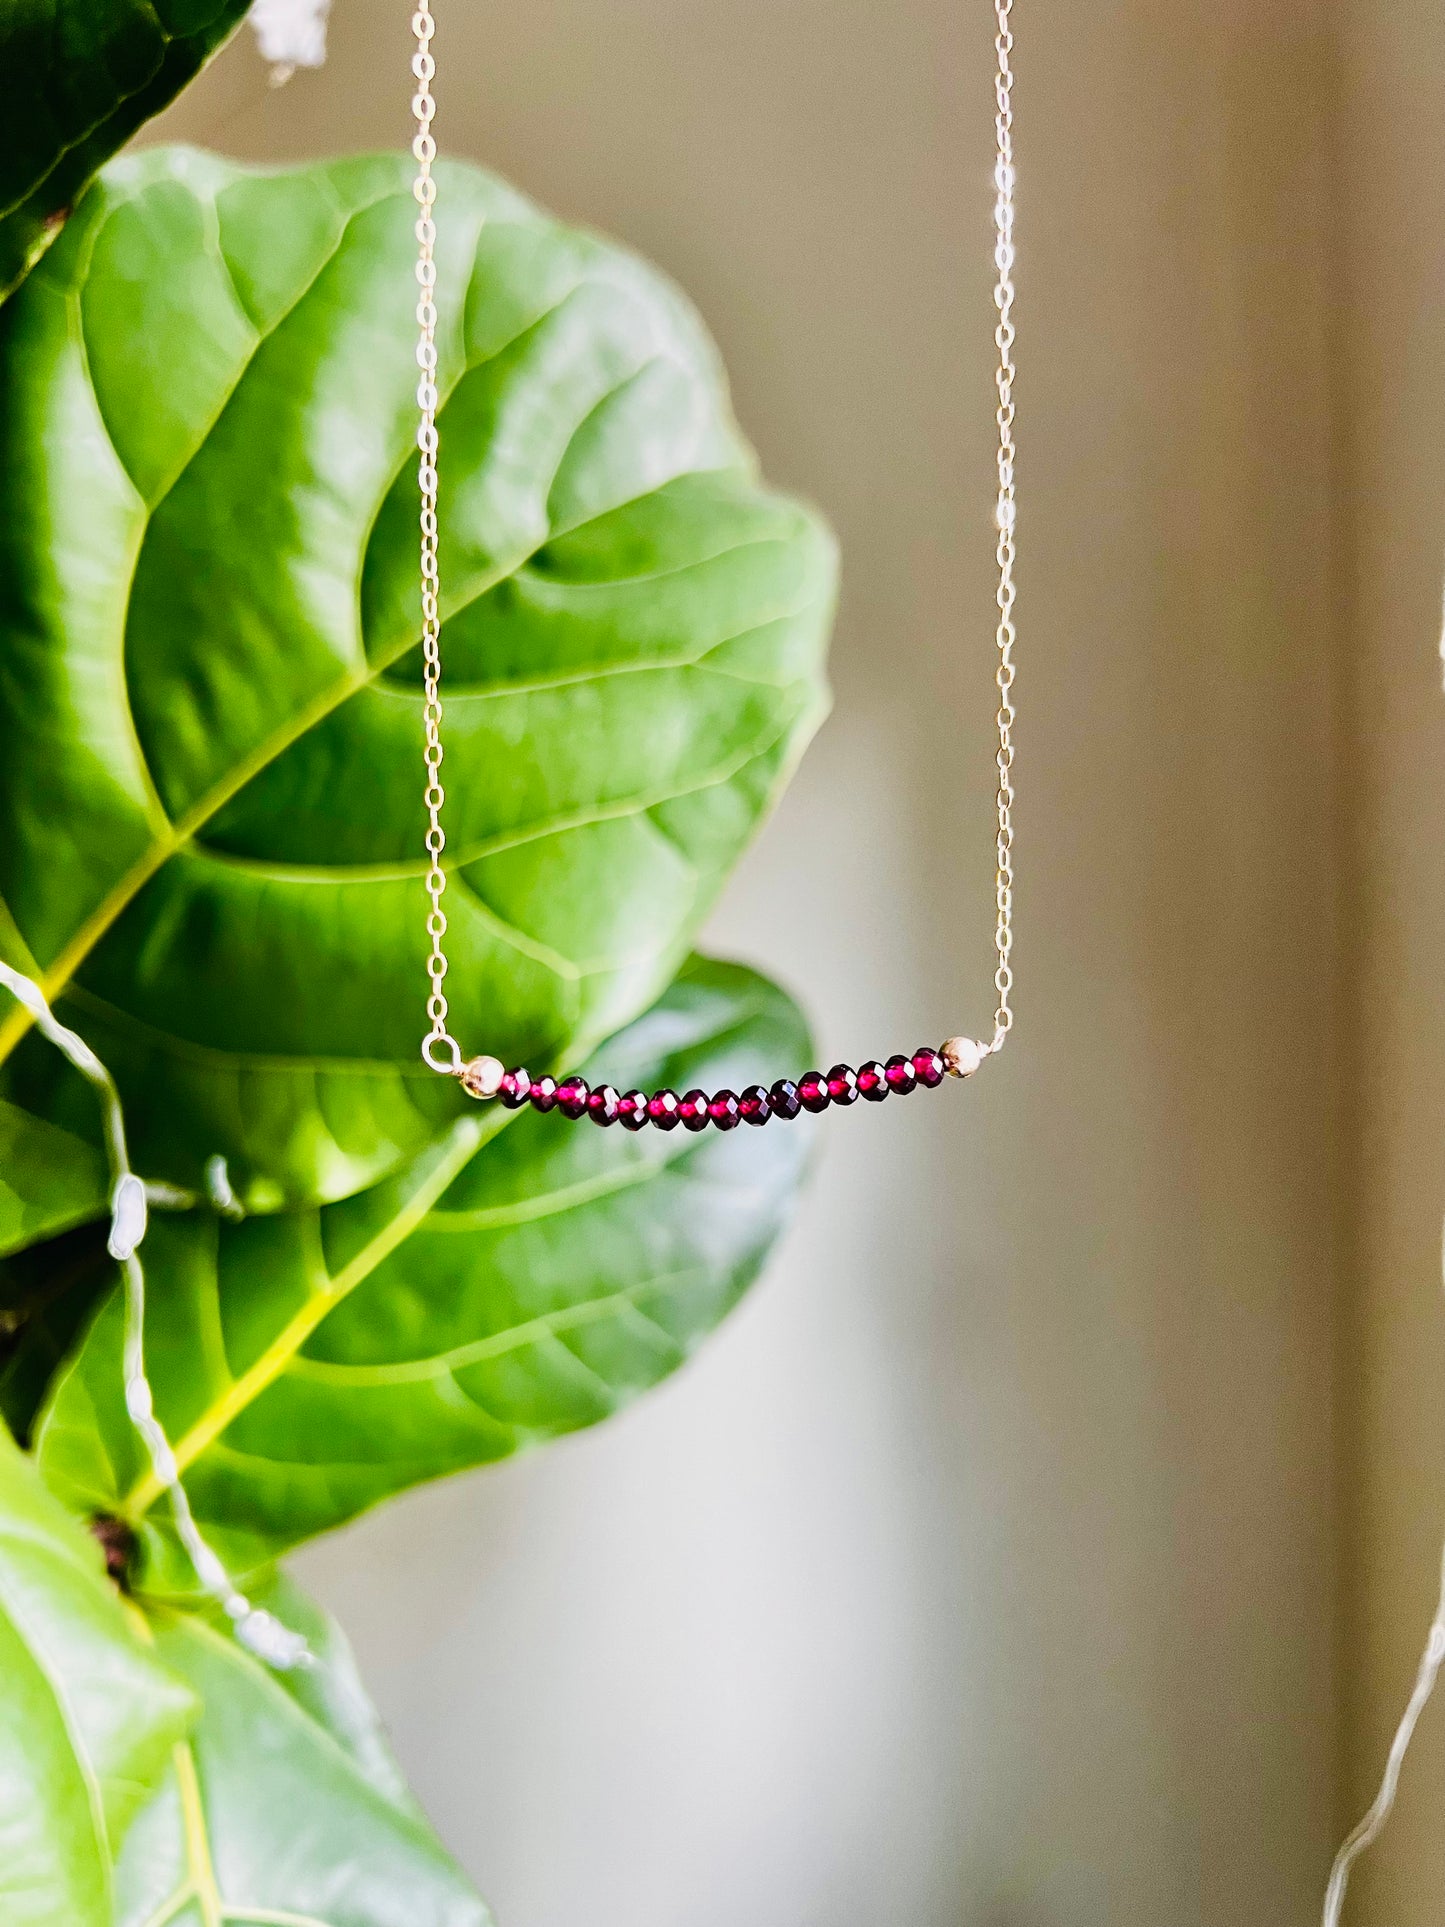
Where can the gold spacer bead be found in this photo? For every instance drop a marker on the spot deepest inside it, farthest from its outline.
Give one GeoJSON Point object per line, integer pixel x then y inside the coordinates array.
{"type": "Point", "coordinates": [482, 1076]}
{"type": "Point", "coordinates": [962, 1056]}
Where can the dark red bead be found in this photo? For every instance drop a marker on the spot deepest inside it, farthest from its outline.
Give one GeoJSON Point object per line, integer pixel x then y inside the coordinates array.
{"type": "Point", "coordinates": [872, 1082]}
{"type": "Point", "coordinates": [516, 1089]}
{"type": "Point", "coordinates": [813, 1091]}
{"type": "Point", "coordinates": [842, 1085]}
{"type": "Point", "coordinates": [928, 1067]}
{"type": "Point", "coordinates": [724, 1110]}
{"type": "Point", "coordinates": [602, 1104]}
{"type": "Point", "coordinates": [543, 1093]}
{"type": "Point", "coordinates": [753, 1105]}
{"type": "Point", "coordinates": [572, 1097]}
{"type": "Point", "coordinates": [632, 1110]}
{"type": "Point", "coordinates": [901, 1075]}
{"type": "Point", "coordinates": [662, 1110]}
{"type": "Point", "coordinates": [692, 1110]}
{"type": "Point", "coordinates": [783, 1099]}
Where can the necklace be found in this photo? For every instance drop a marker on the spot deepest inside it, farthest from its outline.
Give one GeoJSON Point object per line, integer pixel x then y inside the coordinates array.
{"type": "Point", "coordinates": [487, 1077]}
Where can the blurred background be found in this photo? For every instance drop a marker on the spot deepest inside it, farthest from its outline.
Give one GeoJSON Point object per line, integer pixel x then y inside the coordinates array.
{"type": "Point", "coordinates": [1049, 1540]}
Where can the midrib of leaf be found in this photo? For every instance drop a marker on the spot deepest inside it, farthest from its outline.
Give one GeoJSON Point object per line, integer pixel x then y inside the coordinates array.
{"type": "Point", "coordinates": [165, 847]}
{"type": "Point", "coordinates": [463, 1141]}
{"type": "Point", "coordinates": [203, 1888]}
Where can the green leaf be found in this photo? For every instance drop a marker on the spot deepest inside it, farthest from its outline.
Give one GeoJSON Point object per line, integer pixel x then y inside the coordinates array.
{"type": "Point", "coordinates": [330, 1690]}
{"type": "Point", "coordinates": [50, 1179]}
{"type": "Point", "coordinates": [210, 703]}
{"type": "Point", "coordinates": [277, 1809]}
{"type": "Point", "coordinates": [80, 77]}
{"type": "Point", "coordinates": [308, 1365]}
{"type": "Point", "coordinates": [88, 1714]}
{"type": "Point", "coordinates": [47, 1295]}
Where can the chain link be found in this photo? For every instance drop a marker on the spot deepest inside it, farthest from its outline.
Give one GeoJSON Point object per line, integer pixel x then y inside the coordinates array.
{"type": "Point", "coordinates": [1003, 298]}
{"type": "Point", "coordinates": [440, 1048]}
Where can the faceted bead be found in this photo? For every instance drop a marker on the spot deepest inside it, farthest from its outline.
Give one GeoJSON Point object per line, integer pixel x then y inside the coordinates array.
{"type": "Point", "coordinates": [928, 1067]}
{"type": "Point", "coordinates": [872, 1082]}
{"type": "Point", "coordinates": [753, 1105]}
{"type": "Point", "coordinates": [516, 1089]}
{"type": "Point", "coordinates": [572, 1097]}
{"type": "Point", "coordinates": [602, 1104]}
{"type": "Point", "coordinates": [662, 1108]}
{"type": "Point", "coordinates": [842, 1085]}
{"type": "Point", "coordinates": [901, 1075]}
{"type": "Point", "coordinates": [632, 1110]}
{"type": "Point", "coordinates": [543, 1093]}
{"type": "Point", "coordinates": [692, 1109]}
{"type": "Point", "coordinates": [723, 1111]}
{"type": "Point", "coordinates": [783, 1099]}
{"type": "Point", "coordinates": [813, 1091]}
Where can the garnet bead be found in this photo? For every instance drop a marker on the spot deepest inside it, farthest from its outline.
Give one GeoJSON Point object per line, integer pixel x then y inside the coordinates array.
{"type": "Point", "coordinates": [543, 1093]}
{"type": "Point", "coordinates": [813, 1091]}
{"type": "Point", "coordinates": [572, 1097]}
{"type": "Point", "coordinates": [842, 1085]}
{"type": "Point", "coordinates": [901, 1075]}
{"type": "Point", "coordinates": [928, 1067]}
{"type": "Point", "coordinates": [783, 1099]}
{"type": "Point", "coordinates": [516, 1089]}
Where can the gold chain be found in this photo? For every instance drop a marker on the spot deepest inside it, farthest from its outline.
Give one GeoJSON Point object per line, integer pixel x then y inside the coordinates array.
{"type": "Point", "coordinates": [440, 1048]}
{"type": "Point", "coordinates": [424, 147]}
{"type": "Point", "coordinates": [1003, 299]}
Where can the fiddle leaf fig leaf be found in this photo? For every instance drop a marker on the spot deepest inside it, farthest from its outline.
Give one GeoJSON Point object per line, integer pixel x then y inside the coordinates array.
{"type": "Point", "coordinates": [81, 77]}
{"type": "Point", "coordinates": [498, 1294]}
{"type": "Point", "coordinates": [48, 1293]}
{"type": "Point", "coordinates": [50, 1180]}
{"type": "Point", "coordinates": [329, 1688]}
{"type": "Point", "coordinates": [88, 1712]}
{"type": "Point", "coordinates": [210, 694]}
{"type": "Point", "coordinates": [278, 1808]}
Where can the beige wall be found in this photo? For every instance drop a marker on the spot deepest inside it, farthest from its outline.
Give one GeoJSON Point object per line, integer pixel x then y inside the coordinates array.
{"type": "Point", "coordinates": [984, 1570]}
{"type": "Point", "coordinates": [1391, 195]}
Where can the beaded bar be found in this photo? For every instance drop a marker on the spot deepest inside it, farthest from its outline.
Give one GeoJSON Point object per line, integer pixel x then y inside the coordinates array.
{"type": "Point", "coordinates": [487, 1077]}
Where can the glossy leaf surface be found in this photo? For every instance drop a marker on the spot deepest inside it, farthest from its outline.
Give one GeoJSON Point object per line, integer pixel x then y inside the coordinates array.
{"type": "Point", "coordinates": [282, 1806]}
{"type": "Point", "coordinates": [80, 77]}
{"type": "Point", "coordinates": [210, 717]}
{"type": "Point", "coordinates": [50, 1179]}
{"type": "Point", "coordinates": [308, 1365]}
{"type": "Point", "coordinates": [88, 1713]}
